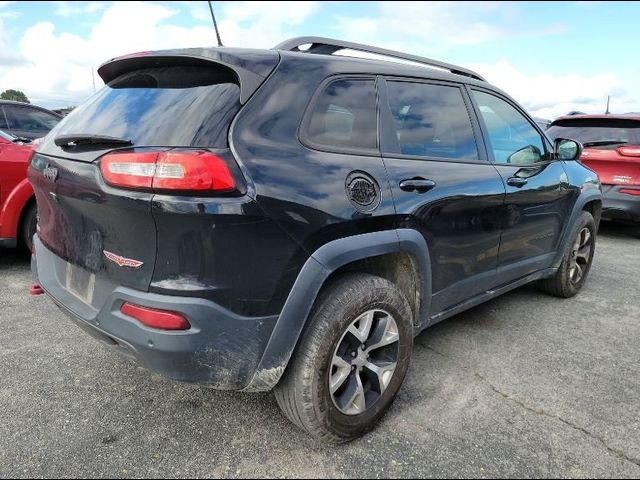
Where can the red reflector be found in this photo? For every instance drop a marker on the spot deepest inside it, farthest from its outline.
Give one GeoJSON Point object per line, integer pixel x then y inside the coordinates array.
{"type": "Point", "coordinates": [186, 170]}
{"type": "Point", "coordinates": [151, 317]}
{"type": "Point", "coordinates": [630, 191]}
{"type": "Point", "coordinates": [629, 151]}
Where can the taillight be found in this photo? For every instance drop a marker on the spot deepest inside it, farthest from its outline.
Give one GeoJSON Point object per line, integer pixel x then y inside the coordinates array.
{"type": "Point", "coordinates": [159, 319]}
{"type": "Point", "coordinates": [129, 170]}
{"type": "Point", "coordinates": [629, 151]}
{"type": "Point", "coordinates": [630, 191]}
{"type": "Point", "coordinates": [186, 170]}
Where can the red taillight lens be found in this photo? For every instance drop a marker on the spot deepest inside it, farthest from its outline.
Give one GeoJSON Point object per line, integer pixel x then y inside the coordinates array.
{"type": "Point", "coordinates": [629, 151]}
{"type": "Point", "coordinates": [630, 191]}
{"type": "Point", "coordinates": [151, 317]}
{"type": "Point", "coordinates": [186, 170]}
{"type": "Point", "coordinates": [192, 170]}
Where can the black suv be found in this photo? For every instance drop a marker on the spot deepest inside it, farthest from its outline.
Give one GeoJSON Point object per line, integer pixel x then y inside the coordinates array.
{"type": "Point", "coordinates": [290, 219]}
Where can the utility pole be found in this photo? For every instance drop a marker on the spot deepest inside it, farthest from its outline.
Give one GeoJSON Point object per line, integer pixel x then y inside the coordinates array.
{"type": "Point", "coordinates": [608, 112]}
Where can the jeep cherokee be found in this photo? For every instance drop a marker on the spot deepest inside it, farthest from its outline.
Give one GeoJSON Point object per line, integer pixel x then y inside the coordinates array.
{"type": "Point", "coordinates": [291, 219]}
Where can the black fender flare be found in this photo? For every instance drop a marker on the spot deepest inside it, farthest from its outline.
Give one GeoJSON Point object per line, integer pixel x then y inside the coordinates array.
{"type": "Point", "coordinates": [584, 198]}
{"type": "Point", "coordinates": [322, 263]}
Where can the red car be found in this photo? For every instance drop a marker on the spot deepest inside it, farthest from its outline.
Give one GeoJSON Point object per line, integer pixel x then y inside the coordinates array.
{"type": "Point", "coordinates": [612, 149]}
{"type": "Point", "coordinates": [17, 202]}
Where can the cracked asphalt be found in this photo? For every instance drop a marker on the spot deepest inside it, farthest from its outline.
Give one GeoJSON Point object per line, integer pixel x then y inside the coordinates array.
{"type": "Point", "coordinates": [524, 386]}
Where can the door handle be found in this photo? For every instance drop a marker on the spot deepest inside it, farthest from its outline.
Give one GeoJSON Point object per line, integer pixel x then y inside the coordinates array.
{"type": "Point", "coordinates": [517, 182]}
{"type": "Point", "coordinates": [417, 184]}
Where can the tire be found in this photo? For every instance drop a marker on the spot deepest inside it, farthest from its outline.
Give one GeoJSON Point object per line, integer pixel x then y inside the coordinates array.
{"type": "Point", "coordinates": [304, 393]}
{"type": "Point", "coordinates": [565, 283]}
{"type": "Point", "coordinates": [28, 226]}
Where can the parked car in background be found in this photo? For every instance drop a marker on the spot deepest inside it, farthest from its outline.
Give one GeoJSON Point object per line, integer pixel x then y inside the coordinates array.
{"type": "Point", "coordinates": [543, 123]}
{"type": "Point", "coordinates": [25, 120]}
{"type": "Point", "coordinates": [17, 203]}
{"type": "Point", "coordinates": [612, 149]}
{"type": "Point", "coordinates": [260, 219]}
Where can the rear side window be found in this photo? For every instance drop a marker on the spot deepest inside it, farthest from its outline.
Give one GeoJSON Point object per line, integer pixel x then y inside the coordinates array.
{"type": "Point", "coordinates": [30, 119]}
{"type": "Point", "coordinates": [168, 106]}
{"type": "Point", "coordinates": [344, 117]}
{"type": "Point", "coordinates": [431, 121]}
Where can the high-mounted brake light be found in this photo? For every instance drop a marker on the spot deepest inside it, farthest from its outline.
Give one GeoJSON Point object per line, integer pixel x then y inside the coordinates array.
{"type": "Point", "coordinates": [185, 170]}
{"type": "Point", "coordinates": [159, 319]}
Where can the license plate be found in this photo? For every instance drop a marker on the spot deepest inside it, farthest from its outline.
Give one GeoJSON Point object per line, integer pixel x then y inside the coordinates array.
{"type": "Point", "coordinates": [81, 283]}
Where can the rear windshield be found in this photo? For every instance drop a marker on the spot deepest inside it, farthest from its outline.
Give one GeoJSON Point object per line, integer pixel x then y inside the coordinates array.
{"type": "Point", "coordinates": [597, 130]}
{"type": "Point", "coordinates": [168, 106]}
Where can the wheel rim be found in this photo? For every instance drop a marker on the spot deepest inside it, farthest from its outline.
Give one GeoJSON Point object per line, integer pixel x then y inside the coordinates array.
{"type": "Point", "coordinates": [364, 362]}
{"type": "Point", "coordinates": [580, 256]}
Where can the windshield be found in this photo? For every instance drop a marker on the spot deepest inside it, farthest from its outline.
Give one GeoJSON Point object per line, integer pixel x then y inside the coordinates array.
{"type": "Point", "coordinates": [189, 106]}
{"type": "Point", "coordinates": [597, 130]}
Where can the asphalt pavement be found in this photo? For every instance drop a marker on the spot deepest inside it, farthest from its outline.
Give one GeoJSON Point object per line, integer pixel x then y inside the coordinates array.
{"type": "Point", "coordinates": [526, 385]}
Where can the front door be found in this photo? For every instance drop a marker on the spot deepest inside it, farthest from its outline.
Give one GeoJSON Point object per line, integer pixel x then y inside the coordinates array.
{"type": "Point", "coordinates": [538, 196]}
{"type": "Point", "coordinates": [442, 184]}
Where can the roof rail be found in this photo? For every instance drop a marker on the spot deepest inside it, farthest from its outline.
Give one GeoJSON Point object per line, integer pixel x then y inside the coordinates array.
{"type": "Point", "coordinates": [328, 46]}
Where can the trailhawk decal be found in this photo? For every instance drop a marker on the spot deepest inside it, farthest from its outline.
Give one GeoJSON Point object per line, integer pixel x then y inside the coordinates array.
{"type": "Point", "coordinates": [121, 261]}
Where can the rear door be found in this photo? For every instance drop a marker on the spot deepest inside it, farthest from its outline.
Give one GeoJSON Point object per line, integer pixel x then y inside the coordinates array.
{"type": "Point", "coordinates": [443, 184]}
{"type": "Point", "coordinates": [538, 199]}
{"type": "Point", "coordinates": [110, 231]}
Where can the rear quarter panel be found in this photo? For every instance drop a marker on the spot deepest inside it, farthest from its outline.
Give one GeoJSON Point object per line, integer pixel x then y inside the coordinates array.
{"type": "Point", "coordinates": [301, 188]}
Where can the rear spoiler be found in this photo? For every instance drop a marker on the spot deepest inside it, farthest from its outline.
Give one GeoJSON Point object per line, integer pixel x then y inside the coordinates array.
{"type": "Point", "coordinates": [250, 67]}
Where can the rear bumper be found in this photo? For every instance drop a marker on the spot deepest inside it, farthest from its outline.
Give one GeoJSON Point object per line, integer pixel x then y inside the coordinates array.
{"type": "Point", "coordinates": [221, 349]}
{"type": "Point", "coordinates": [620, 206]}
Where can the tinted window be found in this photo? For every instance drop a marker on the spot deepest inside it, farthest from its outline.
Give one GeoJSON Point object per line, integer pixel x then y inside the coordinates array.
{"type": "Point", "coordinates": [344, 116]}
{"type": "Point", "coordinates": [29, 119]}
{"type": "Point", "coordinates": [168, 106]}
{"type": "Point", "coordinates": [588, 130]}
{"type": "Point", "coordinates": [431, 121]}
{"type": "Point", "coordinates": [3, 119]}
{"type": "Point", "coordinates": [511, 136]}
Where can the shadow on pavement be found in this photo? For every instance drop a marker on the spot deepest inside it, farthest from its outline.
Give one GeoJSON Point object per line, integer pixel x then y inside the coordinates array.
{"type": "Point", "coordinates": [12, 258]}
{"type": "Point", "coordinates": [619, 230]}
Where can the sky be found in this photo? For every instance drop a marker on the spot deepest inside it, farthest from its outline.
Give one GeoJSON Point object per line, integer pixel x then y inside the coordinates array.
{"type": "Point", "coordinates": [552, 57]}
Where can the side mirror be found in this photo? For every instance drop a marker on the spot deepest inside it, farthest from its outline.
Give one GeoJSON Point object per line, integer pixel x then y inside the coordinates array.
{"type": "Point", "coordinates": [566, 149]}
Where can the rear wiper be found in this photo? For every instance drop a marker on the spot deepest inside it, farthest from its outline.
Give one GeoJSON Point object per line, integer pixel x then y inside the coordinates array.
{"type": "Point", "coordinates": [603, 143]}
{"type": "Point", "coordinates": [73, 140]}
{"type": "Point", "coordinates": [21, 140]}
